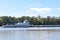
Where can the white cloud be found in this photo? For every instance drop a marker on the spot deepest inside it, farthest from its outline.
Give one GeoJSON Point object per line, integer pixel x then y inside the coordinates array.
{"type": "Point", "coordinates": [27, 11]}
{"type": "Point", "coordinates": [30, 13]}
{"type": "Point", "coordinates": [38, 11]}
{"type": "Point", "coordinates": [41, 9]}
{"type": "Point", "coordinates": [58, 8]}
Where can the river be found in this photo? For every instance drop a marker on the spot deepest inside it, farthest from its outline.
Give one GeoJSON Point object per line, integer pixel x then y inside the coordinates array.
{"type": "Point", "coordinates": [41, 33]}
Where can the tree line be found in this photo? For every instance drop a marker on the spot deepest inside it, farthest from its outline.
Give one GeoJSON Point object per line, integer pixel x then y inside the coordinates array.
{"type": "Point", "coordinates": [4, 20]}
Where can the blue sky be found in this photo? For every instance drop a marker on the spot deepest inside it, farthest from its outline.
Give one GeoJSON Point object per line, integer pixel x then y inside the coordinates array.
{"type": "Point", "coordinates": [19, 8]}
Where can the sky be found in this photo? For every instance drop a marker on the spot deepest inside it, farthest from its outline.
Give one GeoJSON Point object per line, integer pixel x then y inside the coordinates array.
{"type": "Point", "coordinates": [19, 8]}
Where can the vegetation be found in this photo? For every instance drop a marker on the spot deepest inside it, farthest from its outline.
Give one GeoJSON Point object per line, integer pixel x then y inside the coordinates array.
{"type": "Point", "coordinates": [33, 20]}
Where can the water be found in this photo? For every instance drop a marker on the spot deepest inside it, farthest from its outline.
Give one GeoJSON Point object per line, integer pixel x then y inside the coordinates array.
{"type": "Point", "coordinates": [42, 33]}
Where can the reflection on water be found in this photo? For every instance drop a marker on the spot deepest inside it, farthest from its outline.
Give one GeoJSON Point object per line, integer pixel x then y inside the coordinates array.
{"type": "Point", "coordinates": [19, 35]}
{"type": "Point", "coordinates": [30, 35]}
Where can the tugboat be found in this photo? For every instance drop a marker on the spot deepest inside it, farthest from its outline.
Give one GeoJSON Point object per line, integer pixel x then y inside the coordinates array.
{"type": "Point", "coordinates": [19, 24]}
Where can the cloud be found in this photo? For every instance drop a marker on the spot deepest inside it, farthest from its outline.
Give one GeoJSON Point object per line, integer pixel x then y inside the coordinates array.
{"type": "Point", "coordinates": [41, 9]}
{"type": "Point", "coordinates": [58, 8]}
{"type": "Point", "coordinates": [30, 13]}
